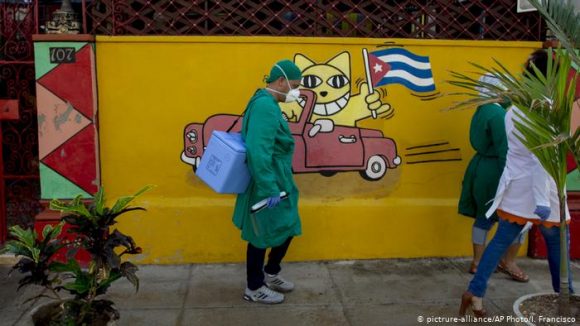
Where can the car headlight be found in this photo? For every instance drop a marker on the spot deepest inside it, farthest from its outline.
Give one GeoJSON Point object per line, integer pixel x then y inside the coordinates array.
{"type": "Point", "coordinates": [192, 150]}
{"type": "Point", "coordinates": [397, 160]}
{"type": "Point", "coordinates": [192, 136]}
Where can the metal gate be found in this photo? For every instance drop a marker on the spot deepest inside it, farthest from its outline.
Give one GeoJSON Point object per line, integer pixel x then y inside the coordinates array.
{"type": "Point", "coordinates": [422, 19]}
{"type": "Point", "coordinates": [19, 180]}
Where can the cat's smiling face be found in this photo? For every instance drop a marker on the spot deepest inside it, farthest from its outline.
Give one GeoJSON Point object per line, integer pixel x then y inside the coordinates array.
{"type": "Point", "coordinates": [330, 81]}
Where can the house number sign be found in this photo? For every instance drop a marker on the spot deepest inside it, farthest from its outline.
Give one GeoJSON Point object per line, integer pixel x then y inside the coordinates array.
{"type": "Point", "coordinates": [62, 55]}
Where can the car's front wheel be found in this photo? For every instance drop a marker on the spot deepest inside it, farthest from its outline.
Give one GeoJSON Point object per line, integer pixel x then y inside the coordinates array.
{"type": "Point", "coordinates": [376, 168]}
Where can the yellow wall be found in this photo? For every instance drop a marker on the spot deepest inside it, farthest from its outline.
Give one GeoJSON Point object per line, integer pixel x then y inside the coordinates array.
{"type": "Point", "coordinates": [150, 88]}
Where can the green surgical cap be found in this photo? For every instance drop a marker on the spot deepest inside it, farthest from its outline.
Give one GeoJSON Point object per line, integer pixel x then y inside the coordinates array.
{"type": "Point", "coordinates": [292, 71]}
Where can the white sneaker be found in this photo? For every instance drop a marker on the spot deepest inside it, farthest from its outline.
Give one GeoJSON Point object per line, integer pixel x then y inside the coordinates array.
{"type": "Point", "coordinates": [277, 283]}
{"type": "Point", "coordinates": [263, 295]}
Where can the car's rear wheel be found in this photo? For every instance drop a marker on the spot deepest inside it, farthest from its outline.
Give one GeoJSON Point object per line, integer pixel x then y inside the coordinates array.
{"type": "Point", "coordinates": [376, 168]}
{"type": "Point", "coordinates": [328, 173]}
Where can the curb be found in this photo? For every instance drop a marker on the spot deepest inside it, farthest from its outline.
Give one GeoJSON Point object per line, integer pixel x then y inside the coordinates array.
{"type": "Point", "coordinates": [7, 259]}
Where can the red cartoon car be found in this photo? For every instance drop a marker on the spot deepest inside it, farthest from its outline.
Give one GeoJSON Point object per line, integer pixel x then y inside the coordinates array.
{"type": "Point", "coordinates": [321, 147]}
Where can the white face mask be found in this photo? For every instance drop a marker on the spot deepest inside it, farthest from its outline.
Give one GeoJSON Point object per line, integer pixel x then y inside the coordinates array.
{"type": "Point", "coordinates": [292, 95]}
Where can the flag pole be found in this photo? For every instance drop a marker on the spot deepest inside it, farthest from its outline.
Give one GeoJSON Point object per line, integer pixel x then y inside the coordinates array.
{"type": "Point", "coordinates": [369, 79]}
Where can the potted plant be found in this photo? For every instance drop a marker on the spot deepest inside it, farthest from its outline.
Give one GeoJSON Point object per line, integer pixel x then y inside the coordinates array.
{"type": "Point", "coordinates": [91, 224]}
{"type": "Point", "coordinates": [546, 103]}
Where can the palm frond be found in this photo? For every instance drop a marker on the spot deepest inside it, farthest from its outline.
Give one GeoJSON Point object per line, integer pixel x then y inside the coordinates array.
{"type": "Point", "coordinates": [563, 21]}
{"type": "Point", "coordinates": [574, 147]}
{"type": "Point", "coordinates": [545, 103]}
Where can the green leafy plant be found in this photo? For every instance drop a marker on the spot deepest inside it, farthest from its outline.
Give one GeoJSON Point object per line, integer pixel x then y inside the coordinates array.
{"type": "Point", "coordinates": [35, 254]}
{"type": "Point", "coordinates": [91, 224]}
{"type": "Point", "coordinates": [546, 102]}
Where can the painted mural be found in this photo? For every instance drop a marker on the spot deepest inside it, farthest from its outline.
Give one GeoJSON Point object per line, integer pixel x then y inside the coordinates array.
{"type": "Point", "coordinates": [151, 87]}
{"type": "Point", "coordinates": [324, 121]}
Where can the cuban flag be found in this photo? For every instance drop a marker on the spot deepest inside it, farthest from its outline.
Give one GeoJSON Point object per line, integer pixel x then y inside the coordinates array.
{"type": "Point", "coordinates": [399, 66]}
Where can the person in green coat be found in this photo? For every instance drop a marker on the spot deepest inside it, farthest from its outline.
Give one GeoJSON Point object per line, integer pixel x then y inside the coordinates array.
{"type": "Point", "coordinates": [269, 151]}
{"type": "Point", "coordinates": [487, 136]}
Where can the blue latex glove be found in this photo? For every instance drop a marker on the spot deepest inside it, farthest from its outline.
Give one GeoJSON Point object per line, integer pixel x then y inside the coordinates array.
{"type": "Point", "coordinates": [273, 201]}
{"type": "Point", "coordinates": [543, 212]}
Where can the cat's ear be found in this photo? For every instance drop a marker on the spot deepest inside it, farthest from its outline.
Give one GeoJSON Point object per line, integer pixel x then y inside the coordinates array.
{"type": "Point", "coordinates": [342, 62]}
{"type": "Point", "coordinates": [302, 61]}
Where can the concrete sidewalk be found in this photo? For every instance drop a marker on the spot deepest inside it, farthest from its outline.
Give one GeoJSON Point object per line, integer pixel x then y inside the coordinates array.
{"type": "Point", "coordinates": [367, 292]}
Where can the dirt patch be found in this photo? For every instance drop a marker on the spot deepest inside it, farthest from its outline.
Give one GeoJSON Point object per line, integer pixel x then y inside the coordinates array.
{"type": "Point", "coordinates": [542, 310]}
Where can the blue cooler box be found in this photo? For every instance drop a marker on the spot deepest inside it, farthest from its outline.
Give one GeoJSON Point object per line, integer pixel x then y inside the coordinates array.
{"type": "Point", "coordinates": [223, 164]}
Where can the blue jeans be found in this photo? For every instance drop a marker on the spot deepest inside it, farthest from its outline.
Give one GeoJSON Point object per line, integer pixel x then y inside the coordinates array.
{"type": "Point", "coordinates": [479, 236]}
{"type": "Point", "coordinates": [504, 237]}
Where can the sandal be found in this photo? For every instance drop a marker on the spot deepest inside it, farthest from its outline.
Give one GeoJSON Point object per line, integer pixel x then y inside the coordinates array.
{"type": "Point", "coordinates": [467, 303]}
{"type": "Point", "coordinates": [516, 276]}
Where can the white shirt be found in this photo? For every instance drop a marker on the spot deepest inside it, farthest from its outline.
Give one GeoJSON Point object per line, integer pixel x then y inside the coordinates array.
{"type": "Point", "coordinates": [524, 183]}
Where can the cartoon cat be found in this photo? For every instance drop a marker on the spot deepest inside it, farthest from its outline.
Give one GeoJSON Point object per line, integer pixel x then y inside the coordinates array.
{"type": "Point", "coordinates": [331, 81]}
